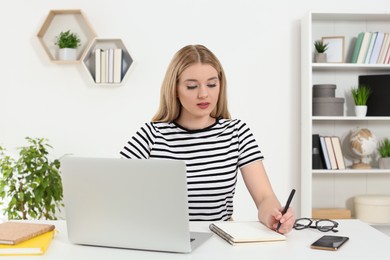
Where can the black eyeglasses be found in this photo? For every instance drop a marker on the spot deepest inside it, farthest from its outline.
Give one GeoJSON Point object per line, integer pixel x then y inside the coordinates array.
{"type": "Point", "coordinates": [323, 225]}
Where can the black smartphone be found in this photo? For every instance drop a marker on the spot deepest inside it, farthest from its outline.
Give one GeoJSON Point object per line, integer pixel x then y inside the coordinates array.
{"type": "Point", "coordinates": [328, 242]}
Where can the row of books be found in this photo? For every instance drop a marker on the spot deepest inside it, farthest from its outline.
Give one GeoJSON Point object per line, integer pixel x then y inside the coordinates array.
{"type": "Point", "coordinates": [372, 48]}
{"type": "Point", "coordinates": [327, 153]}
{"type": "Point", "coordinates": [108, 65]}
{"type": "Point", "coordinates": [23, 238]}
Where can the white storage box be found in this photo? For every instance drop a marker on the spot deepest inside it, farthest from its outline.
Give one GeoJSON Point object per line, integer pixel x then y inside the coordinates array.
{"type": "Point", "coordinates": [374, 209]}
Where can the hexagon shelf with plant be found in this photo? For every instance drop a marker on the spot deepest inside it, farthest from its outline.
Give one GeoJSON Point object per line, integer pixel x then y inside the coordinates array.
{"type": "Point", "coordinates": [103, 46]}
{"type": "Point", "coordinates": [59, 21]}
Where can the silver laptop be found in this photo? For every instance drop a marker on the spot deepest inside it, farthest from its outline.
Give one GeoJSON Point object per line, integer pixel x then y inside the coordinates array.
{"type": "Point", "coordinates": [135, 204]}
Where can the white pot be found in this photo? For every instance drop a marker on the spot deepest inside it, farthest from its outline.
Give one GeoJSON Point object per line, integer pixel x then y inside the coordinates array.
{"type": "Point", "coordinates": [360, 111]}
{"type": "Point", "coordinates": [67, 54]}
{"type": "Point", "coordinates": [384, 163]}
{"type": "Point", "coordinates": [320, 57]}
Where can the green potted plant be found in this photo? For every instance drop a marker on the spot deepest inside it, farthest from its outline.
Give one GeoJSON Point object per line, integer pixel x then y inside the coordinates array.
{"type": "Point", "coordinates": [384, 153]}
{"type": "Point", "coordinates": [68, 42]}
{"type": "Point", "coordinates": [360, 96]}
{"type": "Point", "coordinates": [321, 48]}
{"type": "Point", "coordinates": [31, 184]}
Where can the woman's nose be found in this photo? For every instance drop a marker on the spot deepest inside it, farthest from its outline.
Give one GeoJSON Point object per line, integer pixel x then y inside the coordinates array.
{"type": "Point", "coordinates": [202, 93]}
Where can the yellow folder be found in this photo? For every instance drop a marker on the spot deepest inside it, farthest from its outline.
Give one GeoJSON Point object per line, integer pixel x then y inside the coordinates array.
{"type": "Point", "coordinates": [34, 246]}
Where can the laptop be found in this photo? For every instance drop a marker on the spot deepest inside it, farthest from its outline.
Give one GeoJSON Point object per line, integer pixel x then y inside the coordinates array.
{"type": "Point", "coordinates": [133, 204]}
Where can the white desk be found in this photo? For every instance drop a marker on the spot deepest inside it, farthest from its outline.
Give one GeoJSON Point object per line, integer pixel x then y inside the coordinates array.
{"type": "Point", "coordinates": [365, 243]}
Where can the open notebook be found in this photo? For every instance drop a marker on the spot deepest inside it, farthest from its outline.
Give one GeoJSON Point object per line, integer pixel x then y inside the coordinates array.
{"type": "Point", "coordinates": [245, 232]}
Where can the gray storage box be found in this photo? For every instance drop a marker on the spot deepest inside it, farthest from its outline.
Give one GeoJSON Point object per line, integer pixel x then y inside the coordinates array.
{"type": "Point", "coordinates": [328, 106]}
{"type": "Point", "coordinates": [324, 90]}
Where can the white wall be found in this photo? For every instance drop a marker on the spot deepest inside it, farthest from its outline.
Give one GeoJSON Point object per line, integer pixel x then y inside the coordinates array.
{"type": "Point", "coordinates": [257, 42]}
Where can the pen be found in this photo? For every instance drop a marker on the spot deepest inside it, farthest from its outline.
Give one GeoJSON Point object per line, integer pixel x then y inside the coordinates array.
{"type": "Point", "coordinates": [286, 207]}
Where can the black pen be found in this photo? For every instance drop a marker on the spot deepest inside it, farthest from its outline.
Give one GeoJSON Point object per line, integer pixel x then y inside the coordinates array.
{"type": "Point", "coordinates": [286, 207]}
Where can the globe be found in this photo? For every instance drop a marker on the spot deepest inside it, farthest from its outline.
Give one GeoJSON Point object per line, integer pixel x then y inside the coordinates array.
{"type": "Point", "coordinates": [363, 144]}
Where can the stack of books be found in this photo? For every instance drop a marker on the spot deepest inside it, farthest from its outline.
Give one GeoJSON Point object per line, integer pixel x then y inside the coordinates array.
{"type": "Point", "coordinates": [327, 153]}
{"type": "Point", "coordinates": [372, 48]}
{"type": "Point", "coordinates": [23, 238]}
{"type": "Point", "coordinates": [108, 65]}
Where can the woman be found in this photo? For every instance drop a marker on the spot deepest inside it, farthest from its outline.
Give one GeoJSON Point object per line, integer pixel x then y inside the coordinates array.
{"type": "Point", "coordinates": [193, 124]}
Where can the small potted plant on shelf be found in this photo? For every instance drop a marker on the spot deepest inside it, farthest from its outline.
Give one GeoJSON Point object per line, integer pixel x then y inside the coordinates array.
{"type": "Point", "coordinates": [68, 43]}
{"type": "Point", "coordinates": [321, 47]}
{"type": "Point", "coordinates": [30, 186]}
{"type": "Point", "coordinates": [360, 96]}
{"type": "Point", "coordinates": [384, 152]}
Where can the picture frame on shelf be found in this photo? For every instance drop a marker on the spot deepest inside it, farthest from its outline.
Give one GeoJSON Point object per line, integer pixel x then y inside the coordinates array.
{"type": "Point", "coordinates": [335, 52]}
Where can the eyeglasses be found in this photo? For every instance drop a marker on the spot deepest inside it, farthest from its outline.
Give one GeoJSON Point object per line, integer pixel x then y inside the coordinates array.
{"type": "Point", "coordinates": [323, 225]}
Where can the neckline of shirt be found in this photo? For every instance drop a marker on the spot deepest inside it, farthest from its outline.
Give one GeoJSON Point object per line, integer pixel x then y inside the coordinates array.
{"type": "Point", "coordinates": [197, 130]}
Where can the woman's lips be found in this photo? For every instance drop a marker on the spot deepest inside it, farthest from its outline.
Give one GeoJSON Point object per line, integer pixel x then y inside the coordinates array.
{"type": "Point", "coordinates": [203, 105]}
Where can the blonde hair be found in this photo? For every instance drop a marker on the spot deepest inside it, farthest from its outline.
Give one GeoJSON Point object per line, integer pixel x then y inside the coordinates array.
{"type": "Point", "coordinates": [170, 107]}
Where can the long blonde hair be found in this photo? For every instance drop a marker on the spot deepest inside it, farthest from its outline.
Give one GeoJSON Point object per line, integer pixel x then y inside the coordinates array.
{"type": "Point", "coordinates": [170, 107]}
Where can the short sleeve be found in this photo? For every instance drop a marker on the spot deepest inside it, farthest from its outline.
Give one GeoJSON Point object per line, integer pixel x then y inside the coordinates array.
{"type": "Point", "coordinates": [249, 150]}
{"type": "Point", "coordinates": [140, 145]}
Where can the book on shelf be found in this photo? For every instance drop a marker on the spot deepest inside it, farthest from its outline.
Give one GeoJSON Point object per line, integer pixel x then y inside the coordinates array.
{"type": "Point", "coordinates": [236, 232]}
{"type": "Point", "coordinates": [98, 62]}
{"type": "Point", "coordinates": [364, 47]}
{"type": "Point", "coordinates": [34, 246]}
{"type": "Point", "coordinates": [332, 157]}
{"type": "Point", "coordinates": [356, 49]}
{"type": "Point", "coordinates": [12, 233]}
{"type": "Point", "coordinates": [370, 47]}
{"type": "Point", "coordinates": [118, 65]}
{"type": "Point", "coordinates": [384, 48]}
{"type": "Point", "coordinates": [324, 154]}
{"type": "Point", "coordinates": [317, 157]}
{"type": "Point", "coordinates": [387, 58]}
{"type": "Point", "coordinates": [377, 48]}
{"type": "Point", "coordinates": [338, 152]}
{"type": "Point", "coordinates": [103, 67]}
{"type": "Point", "coordinates": [110, 65]}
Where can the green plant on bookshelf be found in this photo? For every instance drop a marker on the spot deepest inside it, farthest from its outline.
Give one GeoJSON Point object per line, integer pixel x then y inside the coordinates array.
{"type": "Point", "coordinates": [320, 46]}
{"type": "Point", "coordinates": [384, 153]}
{"type": "Point", "coordinates": [320, 55]}
{"type": "Point", "coordinates": [384, 148]}
{"type": "Point", "coordinates": [31, 183]}
{"type": "Point", "coordinates": [360, 95]}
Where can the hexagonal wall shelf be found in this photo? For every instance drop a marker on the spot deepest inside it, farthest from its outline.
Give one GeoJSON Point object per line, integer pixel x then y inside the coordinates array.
{"type": "Point", "coordinates": [103, 45]}
{"type": "Point", "coordinates": [63, 20]}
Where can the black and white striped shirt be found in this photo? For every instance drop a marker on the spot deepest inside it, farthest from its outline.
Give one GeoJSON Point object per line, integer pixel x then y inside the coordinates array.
{"type": "Point", "coordinates": [212, 156]}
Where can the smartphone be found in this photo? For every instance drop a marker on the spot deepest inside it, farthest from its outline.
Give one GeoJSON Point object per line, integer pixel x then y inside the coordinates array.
{"type": "Point", "coordinates": [328, 242]}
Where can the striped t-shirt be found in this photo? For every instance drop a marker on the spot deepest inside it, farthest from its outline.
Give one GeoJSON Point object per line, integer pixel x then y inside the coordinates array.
{"type": "Point", "coordinates": [212, 156]}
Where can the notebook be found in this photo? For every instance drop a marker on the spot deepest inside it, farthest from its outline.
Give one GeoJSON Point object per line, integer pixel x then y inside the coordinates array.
{"type": "Point", "coordinates": [245, 232]}
{"type": "Point", "coordinates": [122, 203]}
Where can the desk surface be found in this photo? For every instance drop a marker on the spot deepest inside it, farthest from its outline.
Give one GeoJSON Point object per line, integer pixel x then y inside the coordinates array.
{"type": "Point", "coordinates": [365, 243]}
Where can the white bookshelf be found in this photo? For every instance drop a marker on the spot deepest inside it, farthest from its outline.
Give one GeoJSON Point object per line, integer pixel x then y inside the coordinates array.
{"type": "Point", "coordinates": [336, 188]}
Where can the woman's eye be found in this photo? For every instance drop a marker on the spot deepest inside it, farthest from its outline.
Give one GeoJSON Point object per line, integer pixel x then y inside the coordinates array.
{"type": "Point", "coordinates": [192, 87]}
{"type": "Point", "coordinates": [211, 85]}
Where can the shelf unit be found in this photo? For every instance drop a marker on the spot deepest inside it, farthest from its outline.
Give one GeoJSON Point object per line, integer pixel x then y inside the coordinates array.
{"type": "Point", "coordinates": [88, 59]}
{"type": "Point", "coordinates": [63, 20]}
{"type": "Point", "coordinates": [336, 188]}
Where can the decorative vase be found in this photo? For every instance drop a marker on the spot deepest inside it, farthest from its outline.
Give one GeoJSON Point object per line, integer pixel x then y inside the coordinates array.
{"type": "Point", "coordinates": [67, 54]}
{"type": "Point", "coordinates": [320, 57]}
{"type": "Point", "coordinates": [384, 163]}
{"type": "Point", "coordinates": [360, 111]}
